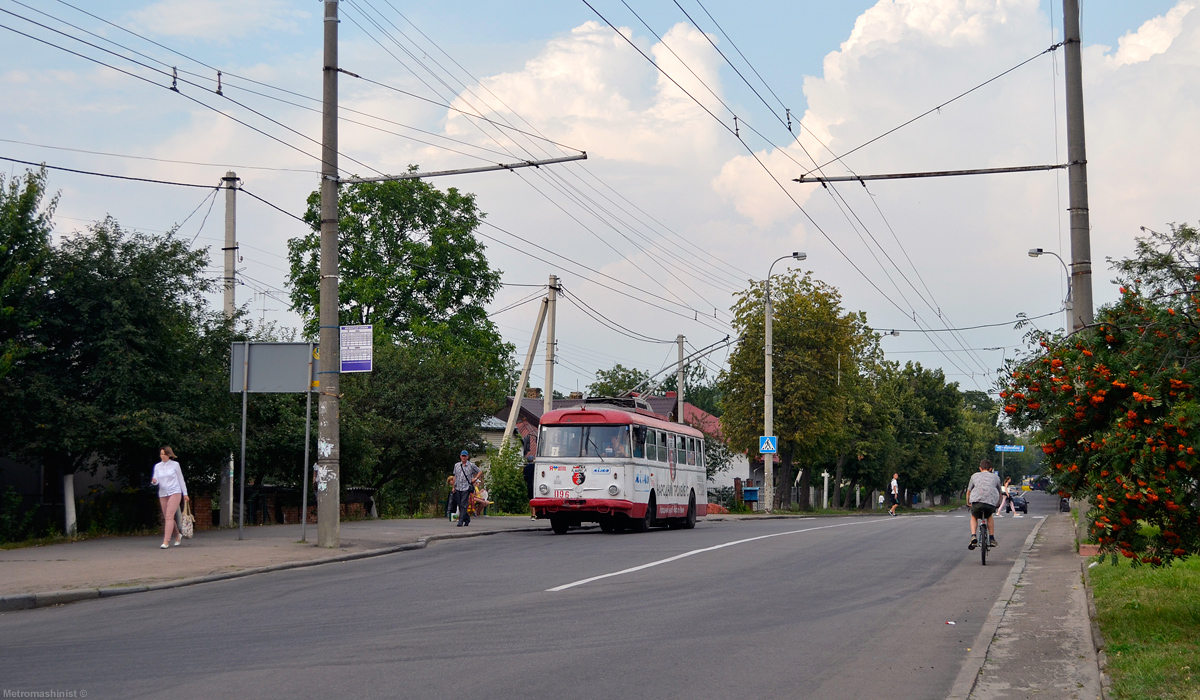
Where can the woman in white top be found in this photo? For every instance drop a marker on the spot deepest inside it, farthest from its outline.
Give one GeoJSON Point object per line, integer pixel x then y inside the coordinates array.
{"type": "Point", "coordinates": [168, 477]}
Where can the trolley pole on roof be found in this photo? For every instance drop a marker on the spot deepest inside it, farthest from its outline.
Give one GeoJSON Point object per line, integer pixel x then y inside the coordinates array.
{"type": "Point", "coordinates": [328, 410]}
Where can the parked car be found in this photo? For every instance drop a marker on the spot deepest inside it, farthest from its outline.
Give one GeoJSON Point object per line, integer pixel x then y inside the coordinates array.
{"type": "Point", "coordinates": [1019, 503]}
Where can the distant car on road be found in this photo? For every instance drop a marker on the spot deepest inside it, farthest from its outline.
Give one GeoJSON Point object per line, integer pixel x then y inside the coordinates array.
{"type": "Point", "coordinates": [1018, 500]}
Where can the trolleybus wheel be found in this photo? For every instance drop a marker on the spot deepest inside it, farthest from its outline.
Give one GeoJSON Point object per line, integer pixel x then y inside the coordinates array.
{"type": "Point", "coordinates": [690, 521]}
{"type": "Point", "coordinates": [606, 525]}
{"type": "Point", "coordinates": [643, 523]}
{"type": "Point", "coordinates": [559, 524]}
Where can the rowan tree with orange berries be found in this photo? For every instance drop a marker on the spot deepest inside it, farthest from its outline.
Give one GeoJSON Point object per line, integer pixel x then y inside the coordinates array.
{"type": "Point", "coordinates": [1114, 406]}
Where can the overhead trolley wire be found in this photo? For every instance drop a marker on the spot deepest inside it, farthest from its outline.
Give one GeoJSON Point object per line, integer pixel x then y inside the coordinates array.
{"type": "Point", "coordinates": [578, 301]}
{"type": "Point", "coordinates": [551, 179]}
{"type": "Point", "coordinates": [165, 87]}
{"type": "Point", "coordinates": [547, 177]}
{"type": "Point", "coordinates": [836, 194]}
{"type": "Point", "coordinates": [640, 299]}
{"type": "Point", "coordinates": [228, 85]}
{"type": "Point", "coordinates": [720, 266]}
{"type": "Point", "coordinates": [847, 210]}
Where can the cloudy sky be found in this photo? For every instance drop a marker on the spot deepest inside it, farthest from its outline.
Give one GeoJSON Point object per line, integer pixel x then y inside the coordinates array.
{"type": "Point", "coordinates": [676, 208]}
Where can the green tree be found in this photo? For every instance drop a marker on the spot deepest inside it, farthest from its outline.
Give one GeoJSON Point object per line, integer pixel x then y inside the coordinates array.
{"type": "Point", "coordinates": [128, 358]}
{"type": "Point", "coordinates": [410, 264]}
{"type": "Point", "coordinates": [408, 419]}
{"type": "Point", "coordinates": [506, 479]}
{"type": "Point", "coordinates": [617, 381]}
{"type": "Point", "coordinates": [25, 225]}
{"type": "Point", "coordinates": [810, 332]}
{"type": "Point", "coordinates": [1114, 405]}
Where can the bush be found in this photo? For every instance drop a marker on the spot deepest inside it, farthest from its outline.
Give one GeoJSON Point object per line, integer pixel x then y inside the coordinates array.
{"type": "Point", "coordinates": [506, 479]}
{"type": "Point", "coordinates": [119, 511]}
{"type": "Point", "coordinates": [14, 524]}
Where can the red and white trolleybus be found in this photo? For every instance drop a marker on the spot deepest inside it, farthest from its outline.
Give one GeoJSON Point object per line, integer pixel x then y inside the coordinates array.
{"type": "Point", "coordinates": [621, 466]}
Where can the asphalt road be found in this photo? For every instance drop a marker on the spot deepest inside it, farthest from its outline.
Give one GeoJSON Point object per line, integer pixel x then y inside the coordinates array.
{"type": "Point", "coordinates": [850, 607]}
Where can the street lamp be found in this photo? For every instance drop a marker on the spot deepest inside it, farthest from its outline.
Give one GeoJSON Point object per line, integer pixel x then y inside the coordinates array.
{"type": "Point", "coordinates": [1037, 252]}
{"type": "Point", "coordinates": [768, 395]}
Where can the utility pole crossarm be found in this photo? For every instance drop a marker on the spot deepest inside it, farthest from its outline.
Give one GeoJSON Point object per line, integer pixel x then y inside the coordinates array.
{"type": "Point", "coordinates": [804, 179]}
{"type": "Point", "coordinates": [464, 171]}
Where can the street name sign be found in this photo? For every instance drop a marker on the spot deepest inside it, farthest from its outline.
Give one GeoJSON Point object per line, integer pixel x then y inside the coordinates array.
{"type": "Point", "coordinates": [1010, 448]}
{"type": "Point", "coordinates": [767, 445]}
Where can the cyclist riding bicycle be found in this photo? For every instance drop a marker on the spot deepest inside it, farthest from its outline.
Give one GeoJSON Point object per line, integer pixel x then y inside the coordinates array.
{"type": "Point", "coordinates": [983, 496]}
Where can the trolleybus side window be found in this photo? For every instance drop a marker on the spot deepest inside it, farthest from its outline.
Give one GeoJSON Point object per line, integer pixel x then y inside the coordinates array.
{"type": "Point", "coordinates": [663, 446]}
{"type": "Point", "coordinates": [691, 454]}
{"type": "Point", "coordinates": [639, 441]}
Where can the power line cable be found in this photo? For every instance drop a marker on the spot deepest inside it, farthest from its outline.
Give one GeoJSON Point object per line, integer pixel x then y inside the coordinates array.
{"type": "Point", "coordinates": [109, 175]}
{"type": "Point", "coordinates": [202, 221]}
{"type": "Point", "coordinates": [157, 160]}
{"type": "Point", "coordinates": [151, 82]}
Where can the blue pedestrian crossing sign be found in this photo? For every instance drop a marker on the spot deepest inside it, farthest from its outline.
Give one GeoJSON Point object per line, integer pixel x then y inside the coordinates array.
{"type": "Point", "coordinates": [766, 445]}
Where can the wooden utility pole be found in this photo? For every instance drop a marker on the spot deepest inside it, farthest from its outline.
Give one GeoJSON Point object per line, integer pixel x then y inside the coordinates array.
{"type": "Point", "coordinates": [328, 434]}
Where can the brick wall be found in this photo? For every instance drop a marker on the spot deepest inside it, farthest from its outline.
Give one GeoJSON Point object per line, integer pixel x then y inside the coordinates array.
{"type": "Point", "coordinates": [202, 510]}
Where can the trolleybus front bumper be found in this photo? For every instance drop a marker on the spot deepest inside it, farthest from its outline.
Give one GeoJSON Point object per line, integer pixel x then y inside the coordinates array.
{"type": "Point", "coordinates": [543, 507]}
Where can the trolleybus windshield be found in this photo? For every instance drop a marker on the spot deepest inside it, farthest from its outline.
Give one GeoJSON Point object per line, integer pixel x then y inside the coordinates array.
{"type": "Point", "coordinates": [584, 441]}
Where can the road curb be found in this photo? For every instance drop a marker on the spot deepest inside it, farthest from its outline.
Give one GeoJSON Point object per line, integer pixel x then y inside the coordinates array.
{"type": "Point", "coordinates": [29, 601]}
{"type": "Point", "coordinates": [1097, 635]}
{"type": "Point", "coordinates": [964, 683]}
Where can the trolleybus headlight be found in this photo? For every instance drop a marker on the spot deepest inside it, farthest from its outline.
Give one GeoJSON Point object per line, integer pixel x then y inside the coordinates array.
{"type": "Point", "coordinates": [613, 489]}
{"type": "Point", "coordinates": [543, 489]}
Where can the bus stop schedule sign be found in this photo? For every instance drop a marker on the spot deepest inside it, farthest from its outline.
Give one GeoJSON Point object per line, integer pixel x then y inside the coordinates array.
{"type": "Point", "coordinates": [1010, 448]}
{"type": "Point", "coordinates": [766, 445]}
{"type": "Point", "coordinates": [357, 348]}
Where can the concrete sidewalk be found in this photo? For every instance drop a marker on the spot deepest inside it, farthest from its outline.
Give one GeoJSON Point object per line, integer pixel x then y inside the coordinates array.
{"type": "Point", "coordinates": [1037, 641]}
{"type": "Point", "coordinates": [37, 576]}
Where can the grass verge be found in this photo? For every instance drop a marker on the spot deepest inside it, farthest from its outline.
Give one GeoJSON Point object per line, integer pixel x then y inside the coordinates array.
{"type": "Point", "coordinates": [1150, 620]}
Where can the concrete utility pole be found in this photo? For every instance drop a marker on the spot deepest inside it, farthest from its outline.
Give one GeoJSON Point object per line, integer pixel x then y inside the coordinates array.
{"type": "Point", "coordinates": [679, 382]}
{"type": "Point", "coordinates": [1081, 227]}
{"type": "Point", "coordinates": [230, 250]}
{"type": "Point", "coordinates": [328, 438]}
{"type": "Point", "coordinates": [69, 521]}
{"type": "Point", "coordinates": [548, 396]}
{"type": "Point", "coordinates": [769, 390]}
{"type": "Point", "coordinates": [520, 394]}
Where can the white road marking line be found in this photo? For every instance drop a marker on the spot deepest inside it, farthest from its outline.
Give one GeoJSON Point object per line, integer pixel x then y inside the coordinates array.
{"type": "Point", "coordinates": [960, 516]}
{"type": "Point", "coordinates": [1038, 516]}
{"type": "Point", "coordinates": [677, 557]}
{"type": "Point", "coordinates": [941, 516]}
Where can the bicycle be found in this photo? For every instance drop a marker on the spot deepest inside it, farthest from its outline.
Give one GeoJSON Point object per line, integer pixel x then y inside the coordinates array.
{"type": "Point", "coordinates": [981, 534]}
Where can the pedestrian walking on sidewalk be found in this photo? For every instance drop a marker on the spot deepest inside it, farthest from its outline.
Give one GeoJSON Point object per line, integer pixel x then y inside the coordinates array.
{"type": "Point", "coordinates": [168, 477]}
{"type": "Point", "coordinates": [894, 493]}
{"type": "Point", "coordinates": [465, 474]}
